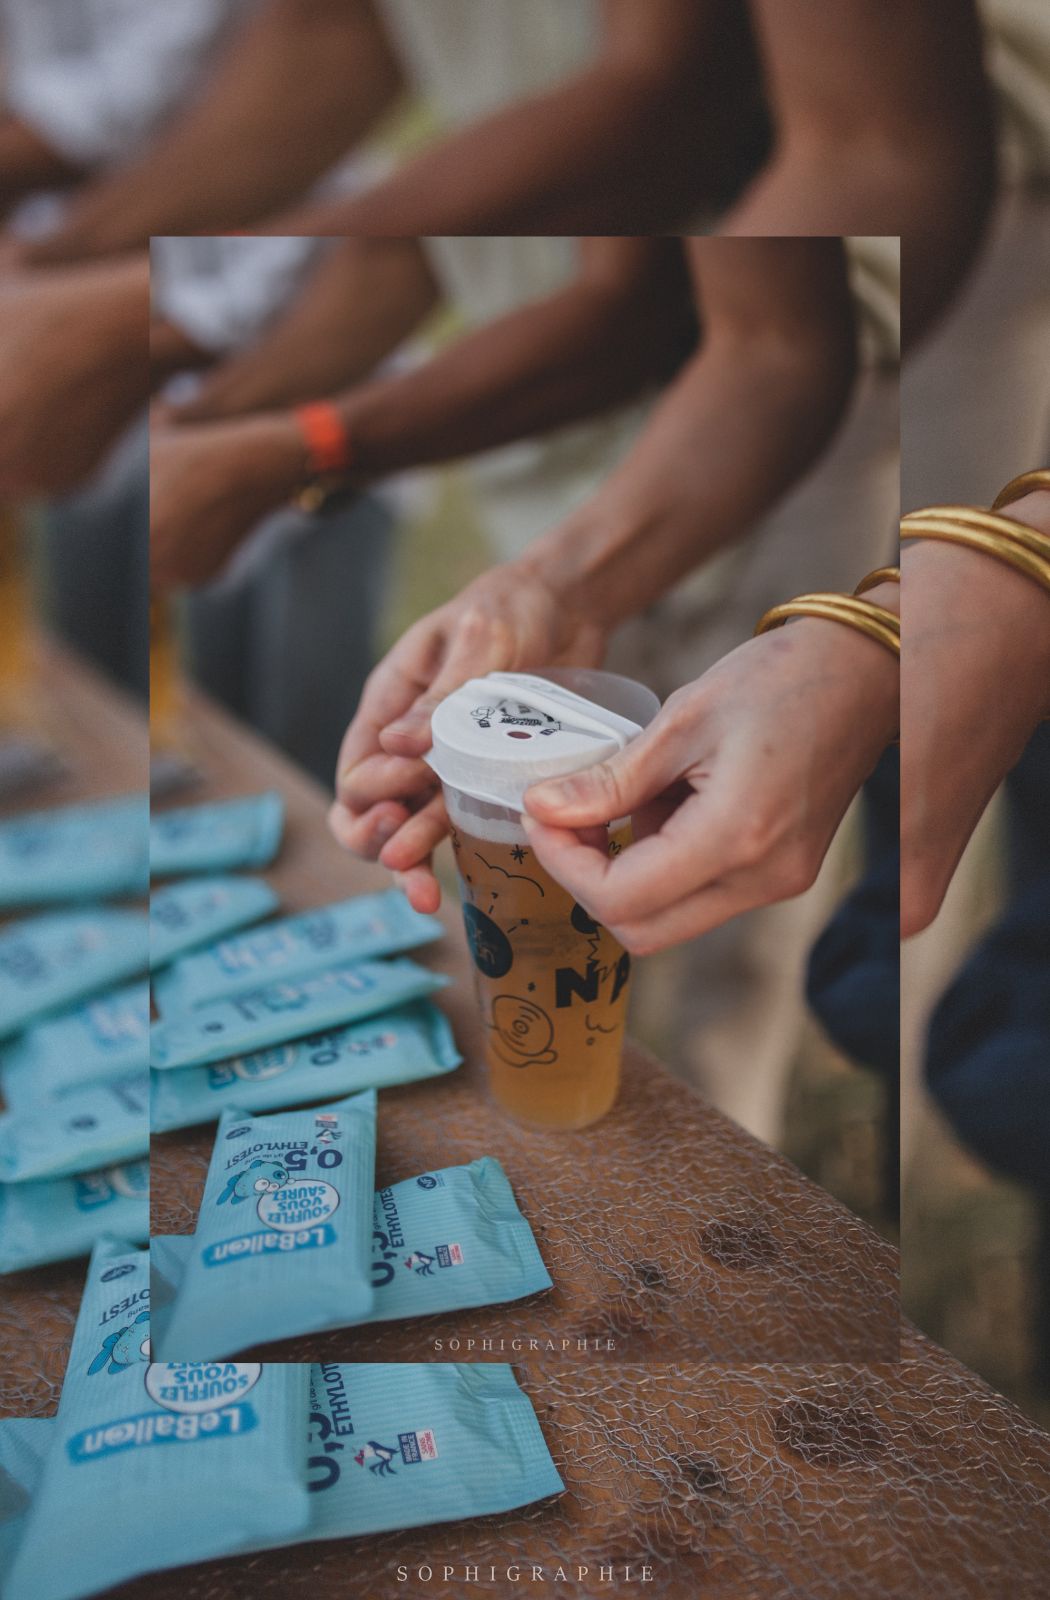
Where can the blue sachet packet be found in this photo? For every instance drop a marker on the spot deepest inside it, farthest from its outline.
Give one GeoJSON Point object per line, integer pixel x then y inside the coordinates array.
{"type": "Point", "coordinates": [394, 1047]}
{"type": "Point", "coordinates": [24, 1444]}
{"type": "Point", "coordinates": [61, 1218]}
{"type": "Point", "coordinates": [445, 1241]}
{"type": "Point", "coordinates": [403, 1446]}
{"type": "Point", "coordinates": [196, 911]}
{"type": "Point", "coordinates": [282, 1011]}
{"type": "Point", "coordinates": [284, 1233]}
{"type": "Point", "coordinates": [84, 852]}
{"type": "Point", "coordinates": [449, 1240]}
{"type": "Point", "coordinates": [156, 1465]}
{"type": "Point", "coordinates": [219, 837]}
{"type": "Point", "coordinates": [297, 947]}
{"type": "Point", "coordinates": [103, 1039]}
{"type": "Point", "coordinates": [49, 962]}
{"type": "Point", "coordinates": [101, 1125]}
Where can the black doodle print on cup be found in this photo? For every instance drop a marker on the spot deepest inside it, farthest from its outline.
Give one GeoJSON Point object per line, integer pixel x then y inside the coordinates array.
{"type": "Point", "coordinates": [522, 1032]}
{"type": "Point", "coordinates": [489, 945]}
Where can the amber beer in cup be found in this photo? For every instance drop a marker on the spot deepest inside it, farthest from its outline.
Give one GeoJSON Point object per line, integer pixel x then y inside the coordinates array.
{"type": "Point", "coordinates": [552, 984]}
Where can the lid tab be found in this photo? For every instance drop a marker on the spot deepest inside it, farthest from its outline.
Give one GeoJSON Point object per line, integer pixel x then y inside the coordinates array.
{"type": "Point", "coordinates": [496, 736]}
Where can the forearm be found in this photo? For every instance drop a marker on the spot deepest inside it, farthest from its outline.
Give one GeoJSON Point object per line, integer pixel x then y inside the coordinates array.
{"type": "Point", "coordinates": [808, 190]}
{"type": "Point", "coordinates": [740, 426]}
{"type": "Point", "coordinates": [883, 127]}
{"type": "Point", "coordinates": [296, 89]}
{"type": "Point", "coordinates": [570, 161]}
{"type": "Point", "coordinates": [579, 352]}
{"type": "Point", "coordinates": [1002, 615]}
{"type": "Point", "coordinates": [634, 142]}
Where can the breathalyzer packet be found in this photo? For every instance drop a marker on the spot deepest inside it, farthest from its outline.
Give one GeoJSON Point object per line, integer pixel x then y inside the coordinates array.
{"type": "Point", "coordinates": [282, 1011]}
{"type": "Point", "coordinates": [103, 1038]}
{"type": "Point", "coordinates": [94, 851]}
{"type": "Point", "coordinates": [284, 1233]}
{"type": "Point", "coordinates": [196, 911]}
{"type": "Point", "coordinates": [291, 948]}
{"type": "Point", "coordinates": [399, 1046]}
{"type": "Point", "coordinates": [218, 837]}
{"type": "Point", "coordinates": [157, 1465]}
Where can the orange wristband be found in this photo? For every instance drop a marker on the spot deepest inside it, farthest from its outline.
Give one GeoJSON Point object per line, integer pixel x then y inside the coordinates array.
{"type": "Point", "coordinates": [325, 436]}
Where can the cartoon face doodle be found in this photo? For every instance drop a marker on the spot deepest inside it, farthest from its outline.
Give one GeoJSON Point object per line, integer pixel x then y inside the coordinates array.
{"type": "Point", "coordinates": [121, 1350]}
{"type": "Point", "coordinates": [489, 945]}
{"type": "Point", "coordinates": [420, 1263]}
{"type": "Point", "coordinates": [522, 1032]}
{"type": "Point", "coordinates": [379, 1456]}
{"type": "Point", "coordinates": [515, 719]}
{"type": "Point", "coordinates": [261, 1177]}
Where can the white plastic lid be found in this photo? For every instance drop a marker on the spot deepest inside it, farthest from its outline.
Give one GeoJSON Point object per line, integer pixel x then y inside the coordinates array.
{"type": "Point", "coordinates": [496, 736]}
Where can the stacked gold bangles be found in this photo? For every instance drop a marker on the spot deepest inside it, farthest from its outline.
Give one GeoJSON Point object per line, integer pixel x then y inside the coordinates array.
{"type": "Point", "coordinates": [878, 622]}
{"type": "Point", "coordinates": [1021, 547]}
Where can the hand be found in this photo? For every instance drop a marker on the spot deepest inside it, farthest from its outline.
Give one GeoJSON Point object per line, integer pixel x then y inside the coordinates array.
{"type": "Point", "coordinates": [736, 788]}
{"type": "Point", "coordinates": [388, 801]}
{"type": "Point", "coordinates": [73, 372]}
{"type": "Point", "coordinates": [209, 488]}
{"type": "Point", "coordinates": [976, 684]}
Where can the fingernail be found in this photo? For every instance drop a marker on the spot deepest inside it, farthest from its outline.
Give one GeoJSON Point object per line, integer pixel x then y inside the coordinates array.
{"type": "Point", "coordinates": [385, 828]}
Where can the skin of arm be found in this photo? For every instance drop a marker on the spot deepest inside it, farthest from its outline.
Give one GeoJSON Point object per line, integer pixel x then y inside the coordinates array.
{"type": "Point", "coordinates": [883, 125]}
{"type": "Point", "coordinates": [975, 684]}
{"type": "Point", "coordinates": [635, 142]}
{"type": "Point", "coordinates": [72, 370]}
{"type": "Point", "coordinates": [28, 163]}
{"type": "Point", "coordinates": [296, 88]}
{"type": "Point", "coordinates": [745, 418]}
{"type": "Point", "coordinates": [617, 327]}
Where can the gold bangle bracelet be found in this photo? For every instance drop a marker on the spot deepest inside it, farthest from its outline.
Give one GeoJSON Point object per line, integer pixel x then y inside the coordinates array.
{"type": "Point", "coordinates": [1025, 483]}
{"type": "Point", "coordinates": [874, 578]}
{"type": "Point", "coordinates": [992, 522]}
{"type": "Point", "coordinates": [992, 544]}
{"type": "Point", "coordinates": [863, 616]}
{"type": "Point", "coordinates": [855, 607]}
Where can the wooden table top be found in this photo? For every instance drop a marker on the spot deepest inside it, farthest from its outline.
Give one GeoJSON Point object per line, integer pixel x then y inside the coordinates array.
{"type": "Point", "coordinates": [670, 1234]}
{"type": "Point", "coordinates": [811, 1473]}
{"type": "Point", "coordinates": [764, 1483]}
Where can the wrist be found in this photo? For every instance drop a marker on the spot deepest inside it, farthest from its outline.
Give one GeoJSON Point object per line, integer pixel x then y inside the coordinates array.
{"type": "Point", "coordinates": [327, 451]}
{"type": "Point", "coordinates": [277, 442]}
{"type": "Point", "coordinates": [872, 670]}
{"type": "Point", "coordinates": [1001, 616]}
{"type": "Point", "coordinates": [1033, 509]}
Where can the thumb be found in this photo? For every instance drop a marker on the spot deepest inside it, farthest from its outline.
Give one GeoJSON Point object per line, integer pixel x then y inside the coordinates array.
{"type": "Point", "coordinates": [613, 788]}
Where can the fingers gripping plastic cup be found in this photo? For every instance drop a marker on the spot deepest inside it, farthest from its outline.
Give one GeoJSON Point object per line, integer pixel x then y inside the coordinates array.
{"type": "Point", "coordinates": [551, 982]}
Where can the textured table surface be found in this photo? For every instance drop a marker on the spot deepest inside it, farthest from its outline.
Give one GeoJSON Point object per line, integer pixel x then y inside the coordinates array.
{"type": "Point", "coordinates": [770, 1483]}
{"type": "Point", "coordinates": [668, 1232]}
{"type": "Point", "coordinates": [103, 739]}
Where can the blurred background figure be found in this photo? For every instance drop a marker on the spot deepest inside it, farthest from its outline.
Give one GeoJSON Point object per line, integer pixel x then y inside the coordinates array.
{"type": "Point", "coordinates": [976, 412]}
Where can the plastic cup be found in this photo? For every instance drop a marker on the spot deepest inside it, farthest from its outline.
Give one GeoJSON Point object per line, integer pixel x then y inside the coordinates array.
{"type": "Point", "coordinates": [551, 983]}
